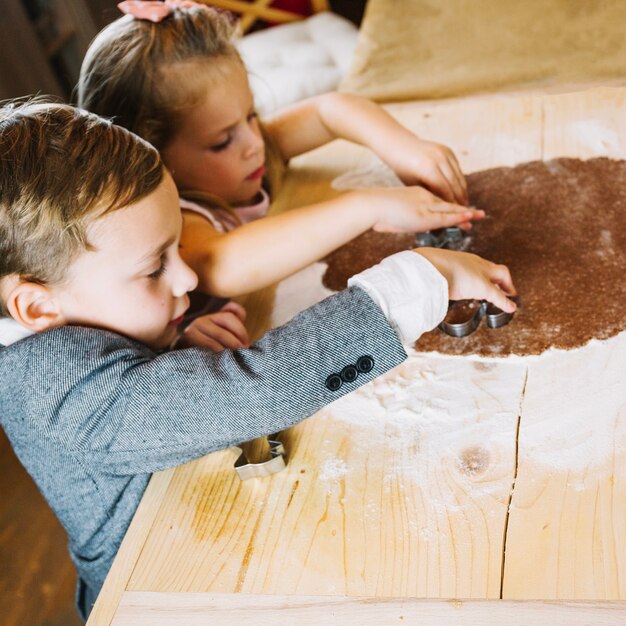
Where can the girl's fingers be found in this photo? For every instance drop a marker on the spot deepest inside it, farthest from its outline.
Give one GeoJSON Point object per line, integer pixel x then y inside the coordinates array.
{"type": "Point", "coordinates": [457, 216]}
{"type": "Point", "coordinates": [222, 336]}
{"type": "Point", "coordinates": [229, 322]}
{"type": "Point", "coordinates": [236, 308]}
{"type": "Point", "coordinates": [471, 213]}
{"type": "Point", "coordinates": [439, 206]}
{"type": "Point", "coordinates": [447, 214]}
{"type": "Point", "coordinates": [196, 338]}
{"type": "Point", "coordinates": [460, 183]}
{"type": "Point", "coordinates": [444, 186]}
{"type": "Point", "coordinates": [455, 191]}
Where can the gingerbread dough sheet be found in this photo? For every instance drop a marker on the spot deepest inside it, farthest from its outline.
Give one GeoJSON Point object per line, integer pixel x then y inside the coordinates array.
{"type": "Point", "coordinates": [558, 226]}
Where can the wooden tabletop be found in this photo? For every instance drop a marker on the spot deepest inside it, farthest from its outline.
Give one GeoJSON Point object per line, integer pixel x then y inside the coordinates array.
{"type": "Point", "coordinates": [446, 478]}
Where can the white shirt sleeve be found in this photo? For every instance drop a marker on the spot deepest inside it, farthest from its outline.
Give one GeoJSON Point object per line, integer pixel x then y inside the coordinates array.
{"type": "Point", "coordinates": [412, 294]}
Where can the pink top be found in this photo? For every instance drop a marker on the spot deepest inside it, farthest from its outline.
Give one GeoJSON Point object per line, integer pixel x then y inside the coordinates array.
{"type": "Point", "coordinates": [224, 221]}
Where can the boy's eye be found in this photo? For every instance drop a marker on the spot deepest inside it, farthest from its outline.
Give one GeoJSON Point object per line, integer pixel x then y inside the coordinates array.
{"type": "Point", "coordinates": [159, 271]}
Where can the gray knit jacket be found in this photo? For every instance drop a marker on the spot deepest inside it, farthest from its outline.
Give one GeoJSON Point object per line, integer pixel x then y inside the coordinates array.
{"type": "Point", "coordinates": [92, 414]}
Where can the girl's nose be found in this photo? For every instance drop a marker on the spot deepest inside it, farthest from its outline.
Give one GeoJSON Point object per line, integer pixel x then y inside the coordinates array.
{"type": "Point", "coordinates": [254, 142]}
{"type": "Point", "coordinates": [184, 279]}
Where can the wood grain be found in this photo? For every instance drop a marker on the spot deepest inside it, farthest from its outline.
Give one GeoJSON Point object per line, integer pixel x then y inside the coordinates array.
{"type": "Point", "coordinates": [445, 478]}
{"type": "Point", "coordinates": [402, 489]}
{"type": "Point", "coordinates": [172, 609]}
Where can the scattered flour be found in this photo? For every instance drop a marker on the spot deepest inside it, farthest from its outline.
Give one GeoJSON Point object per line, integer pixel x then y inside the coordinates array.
{"type": "Point", "coordinates": [596, 137]}
{"type": "Point", "coordinates": [374, 174]}
{"type": "Point", "coordinates": [298, 292]}
{"type": "Point", "coordinates": [333, 469]}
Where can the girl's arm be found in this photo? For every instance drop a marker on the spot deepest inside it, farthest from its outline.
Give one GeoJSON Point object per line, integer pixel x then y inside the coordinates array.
{"type": "Point", "coordinates": [265, 251]}
{"type": "Point", "coordinates": [311, 123]}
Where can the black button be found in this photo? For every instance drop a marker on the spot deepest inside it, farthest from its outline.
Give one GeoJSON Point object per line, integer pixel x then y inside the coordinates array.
{"type": "Point", "coordinates": [349, 373]}
{"type": "Point", "coordinates": [365, 364]}
{"type": "Point", "coordinates": [333, 382]}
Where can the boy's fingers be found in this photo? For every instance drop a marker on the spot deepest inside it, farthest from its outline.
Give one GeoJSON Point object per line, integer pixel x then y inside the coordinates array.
{"type": "Point", "coordinates": [501, 276]}
{"type": "Point", "coordinates": [497, 296]}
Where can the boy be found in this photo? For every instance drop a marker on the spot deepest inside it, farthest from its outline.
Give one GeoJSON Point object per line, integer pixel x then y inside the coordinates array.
{"type": "Point", "coordinates": [93, 290]}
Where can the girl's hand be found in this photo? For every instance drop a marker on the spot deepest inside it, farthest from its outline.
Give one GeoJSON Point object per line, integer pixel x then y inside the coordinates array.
{"type": "Point", "coordinates": [406, 209]}
{"type": "Point", "coordinates": [419, 162]}
{"type": "Point", "coordinates": [218, 331]}
{"type": "Point", "coordinates": [471, 277]}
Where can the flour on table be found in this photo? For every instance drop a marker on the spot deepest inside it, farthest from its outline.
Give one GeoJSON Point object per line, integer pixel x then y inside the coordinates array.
{"type": "Point", "coordinates": [374, 174]}
{"type": "Point", "coordinates": [298, 292]}
{"type": "Point", "coordinates": [333, 469]}
{"type": "Point", "coordinates": [595, 136]}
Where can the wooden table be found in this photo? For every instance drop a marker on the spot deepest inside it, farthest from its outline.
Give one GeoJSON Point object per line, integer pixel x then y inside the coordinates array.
{"type": "Point", "coordinates": [407, 495]}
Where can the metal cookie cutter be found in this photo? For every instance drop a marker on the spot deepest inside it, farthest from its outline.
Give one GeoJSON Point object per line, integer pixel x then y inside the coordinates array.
{"type": "Point", "coordinates": [464, 316]}
{"type": "Point", "coordinates": [246, 469]}
{"type": "Point", "coordinates": [452, 238]}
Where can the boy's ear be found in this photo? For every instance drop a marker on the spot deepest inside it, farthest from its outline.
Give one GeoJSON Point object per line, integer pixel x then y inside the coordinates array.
{"type": "Point", "coordinates": [32, 305]}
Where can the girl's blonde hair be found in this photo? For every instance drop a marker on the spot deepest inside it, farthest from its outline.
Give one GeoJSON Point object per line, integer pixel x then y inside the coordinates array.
{"type": "Point", "coordinates": [62, 168]}
{"type": "Point", "coordinates": [123, 74]}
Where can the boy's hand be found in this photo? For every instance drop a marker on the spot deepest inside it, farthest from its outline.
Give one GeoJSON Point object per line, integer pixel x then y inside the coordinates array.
{"type": "Point", "coordinates": [419, 162]}
{"type": "Point", "coordinates": [218, 331]}
{"type": "Point", "coordinates": [406, 209]}
{"type": "Point", "coordinates": [471, 277]}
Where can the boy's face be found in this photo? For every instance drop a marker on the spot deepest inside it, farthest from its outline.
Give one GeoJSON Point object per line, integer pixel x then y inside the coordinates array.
{"type": "Point", "coordinates": [134, 281]}
{"type": "Point", "coordinates": [218, 148]}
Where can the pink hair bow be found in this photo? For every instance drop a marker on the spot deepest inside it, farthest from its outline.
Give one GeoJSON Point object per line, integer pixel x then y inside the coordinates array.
{"type": "Point", "coordinates": [153, 11]}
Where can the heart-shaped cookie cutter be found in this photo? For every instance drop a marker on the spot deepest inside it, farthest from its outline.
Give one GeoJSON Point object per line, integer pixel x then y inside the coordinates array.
{"type": "Point", "coordinates": [464, 317]}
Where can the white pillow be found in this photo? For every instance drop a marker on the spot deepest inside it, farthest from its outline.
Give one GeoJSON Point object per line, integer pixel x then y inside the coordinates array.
{"type": "Point", "coordinates": [293, 61]}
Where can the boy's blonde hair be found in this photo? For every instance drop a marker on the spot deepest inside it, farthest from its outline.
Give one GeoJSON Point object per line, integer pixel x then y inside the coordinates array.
{"type": "Point", "coordinates": [61, 168]}
{"type": "Point", "coordinates": [124, 74]}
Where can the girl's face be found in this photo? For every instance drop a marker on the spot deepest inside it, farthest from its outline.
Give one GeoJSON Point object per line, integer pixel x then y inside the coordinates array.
{"type": "Point", "coordinates": [218, 148]}
{"type": "Point", "coordinates": [133, 282]}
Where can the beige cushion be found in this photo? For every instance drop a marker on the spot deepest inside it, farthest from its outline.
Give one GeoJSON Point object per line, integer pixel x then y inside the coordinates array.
{"type": "Point", "coordinates": [290, 62]}
{"type": "Point", "coordinates": [410, 49]}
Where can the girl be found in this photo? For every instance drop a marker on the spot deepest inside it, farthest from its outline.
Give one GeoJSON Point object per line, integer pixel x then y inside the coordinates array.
{"type": "Point", "coordinates": [170, 72]}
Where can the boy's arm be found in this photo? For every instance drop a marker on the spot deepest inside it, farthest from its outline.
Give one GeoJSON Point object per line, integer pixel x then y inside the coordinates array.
{"type": "Point", "coordinates": [129, 411]}
{"type": "Point", "coordinates": [126, 410]}
{"type": "Point", "coordinates": [311, 123]}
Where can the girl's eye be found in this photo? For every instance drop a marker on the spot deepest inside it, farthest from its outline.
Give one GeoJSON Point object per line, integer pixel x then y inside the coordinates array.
{"type": "Point", "coordinates": [159, 271]}
{"type": "Point", "coordinates": [218, 147]}
{"type": "Point", "coordinates": [252, 116]}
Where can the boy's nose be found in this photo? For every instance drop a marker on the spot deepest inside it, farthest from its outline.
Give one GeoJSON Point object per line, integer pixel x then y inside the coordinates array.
{"type": "Point", "coordinates": [184, 279]}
